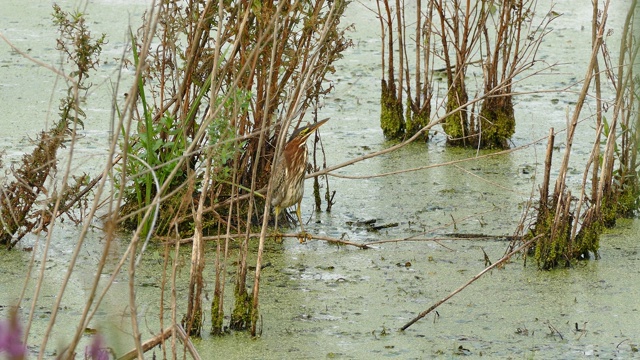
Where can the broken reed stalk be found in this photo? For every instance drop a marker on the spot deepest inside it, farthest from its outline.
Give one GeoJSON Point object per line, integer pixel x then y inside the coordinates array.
{"type": "Point", "coordinates": [479, 275]}
{"type": "Point", "coordinates": [329, 170]}
{"type": "Point", "coordinates": [544, 191]}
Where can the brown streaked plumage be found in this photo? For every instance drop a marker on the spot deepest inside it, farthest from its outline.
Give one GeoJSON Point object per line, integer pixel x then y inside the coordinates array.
{"type": "Point", "coordinates": [288, 173]}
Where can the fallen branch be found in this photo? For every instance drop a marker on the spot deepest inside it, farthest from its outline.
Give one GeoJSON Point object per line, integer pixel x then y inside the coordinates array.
{"type": "Point", "coordinates": [499, 262]}
{"type": "Point", "coordinates": [306, 236]}
{"type": "Point", "coordinates": [363, 246]}
{"type": "Point", "coordinates": [338, 241]}
{"type": "Point", "coordinates": [160, 338]}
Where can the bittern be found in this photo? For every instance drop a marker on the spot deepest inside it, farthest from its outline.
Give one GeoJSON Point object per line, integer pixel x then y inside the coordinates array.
{"type": "Point", "coordinates": [288, 173]}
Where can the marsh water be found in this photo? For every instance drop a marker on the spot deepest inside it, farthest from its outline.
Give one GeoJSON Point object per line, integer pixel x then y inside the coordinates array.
{"type": "Point", "coordinates": [325, 301]}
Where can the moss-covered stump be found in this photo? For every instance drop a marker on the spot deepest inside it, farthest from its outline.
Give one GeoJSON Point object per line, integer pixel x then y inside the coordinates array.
{"type": "Point", "coordinates": [551, 249]}
{"type": "Point", "coordinates": [587, 240]}
{"type": "Point", "coordinates": [497, 123]}
{"type": "Point", "coordinates": [193, 326]}
{"type": "Point", "coordinates": [417, 118]}
{"type": "Point", "coordinates": [556, 247]}
{"type": "Point", "coordinates": [622, 201]}
{"type": "Point", "coordinates": [456, 125]}
{"type": "Point", "coordinates": [217, 316]}
{"type": "Point", "coordinates": [241, 315]}
{"type": "Point", "coordinates": [391, 114]}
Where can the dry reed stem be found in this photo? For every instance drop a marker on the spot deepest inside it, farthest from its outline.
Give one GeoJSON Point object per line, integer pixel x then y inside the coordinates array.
{"type": "Point", "coordinates": [367, 245]}
{"type": "Point", "coordinates": [548, 158]}
{"type": "Point", "coordinates": [490, 182]}
{"type": "Point", "coordinates": [279, 147]}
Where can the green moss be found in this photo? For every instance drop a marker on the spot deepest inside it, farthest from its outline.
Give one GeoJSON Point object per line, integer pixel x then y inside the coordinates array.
{"type": "Point", "coordinates": [241, 315]}
{"type": "Point", "coordinates": [497, 123]}
{"type": "Point", "coordinates": [560, 249]}
{"type": "Point", "coordinates": [550, 251]}
{"type": "Point", "coordinates": [456, 125]}
{"type": "Point", "coordinates": [217, 316]}
{"type": "Point", "coordinates": [391, 117]}
{"type": "Point", "coordinates": [628, 199]}
{"type": "Point", "coordinates": [622, 202]}
{"type": "Point", "coordinates": [416, 119]}
{"type": "Point", "coordinates": [196, 325]}
{"type": "Point", "coordinates": [609, 212]}
{"type": "Point", "coordinates": [588, 239]}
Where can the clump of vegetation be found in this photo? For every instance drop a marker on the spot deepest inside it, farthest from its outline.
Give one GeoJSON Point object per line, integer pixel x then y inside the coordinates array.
{"type": "Point", "coordinates": [19, 198]}
{"type": "Point", "coordinates": [498, 37]}
{"type": "Point", "coordinates": [392, 116]}
{"type": "Point", "coordinates": [214, 98]}
{"type": "Point", "coordinates": [571, 226]}
{"type": "Point", "coordinates": [502, 38]}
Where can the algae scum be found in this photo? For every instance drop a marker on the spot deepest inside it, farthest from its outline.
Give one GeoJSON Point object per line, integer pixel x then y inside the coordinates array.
{"type": "Point", "coordinates": [325, 301]}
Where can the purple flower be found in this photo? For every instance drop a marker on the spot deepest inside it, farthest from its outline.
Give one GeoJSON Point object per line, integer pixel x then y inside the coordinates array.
{"type": "Point", "coordinates": [11, 338]}
{"type": "Point", "coordinates": [96, 350]}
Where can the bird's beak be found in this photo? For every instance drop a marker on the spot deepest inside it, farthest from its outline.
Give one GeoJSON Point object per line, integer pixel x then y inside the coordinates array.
{"type": "Point", "coordinates": [314, 126]}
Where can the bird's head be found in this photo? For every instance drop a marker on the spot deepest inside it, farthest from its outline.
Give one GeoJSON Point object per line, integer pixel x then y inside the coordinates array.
{"type": "Point", "coordinates": [301, 135]}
